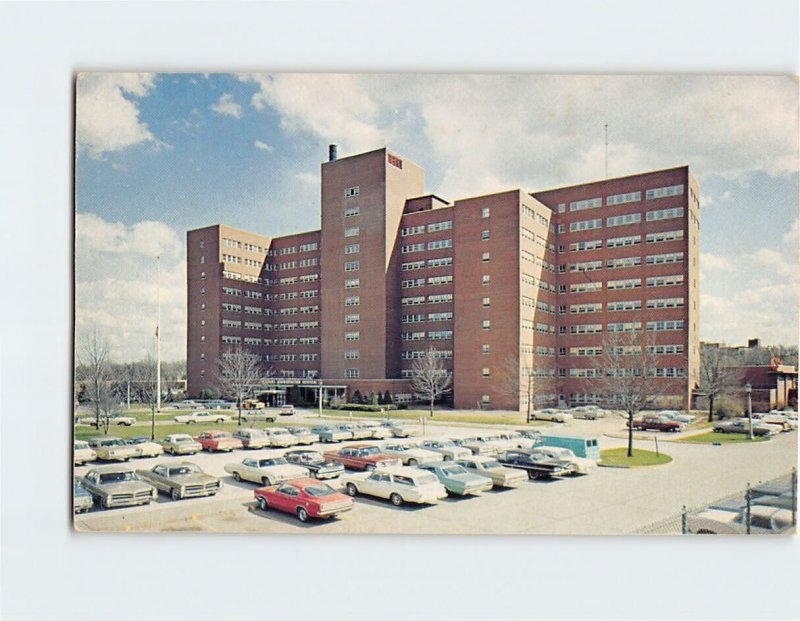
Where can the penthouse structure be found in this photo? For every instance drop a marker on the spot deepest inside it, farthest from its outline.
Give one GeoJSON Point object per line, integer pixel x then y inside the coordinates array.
{"type": "Point", "coordinates": [499, 286]}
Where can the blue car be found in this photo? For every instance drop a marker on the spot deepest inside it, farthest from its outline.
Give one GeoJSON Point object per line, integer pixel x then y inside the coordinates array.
{"type": "Point", "coordinates": [457, 480]}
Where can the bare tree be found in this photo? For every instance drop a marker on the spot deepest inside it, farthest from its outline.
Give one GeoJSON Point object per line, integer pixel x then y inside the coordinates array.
{"type": "Point", "coordinates": [239, 375]}
{"type": "Point", "coordinates": [626, 375]}
{"type": "Point", "coordinates": [430, 379]}
{"type": "Point", "coordinates": [146, 387]}
{"type": "Point", "coordinates": [716, 377]}
{"type": "Point", "coordinates": [526, 383]}
{"type": "Point", "coordinates": [94, 371]}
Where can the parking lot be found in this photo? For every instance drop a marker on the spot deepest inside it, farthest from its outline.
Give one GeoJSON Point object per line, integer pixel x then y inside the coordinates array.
{"type": "Point", "coordinates": [607, 501]}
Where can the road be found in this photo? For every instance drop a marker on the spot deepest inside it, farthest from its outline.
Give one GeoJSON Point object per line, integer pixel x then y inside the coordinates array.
{"type": "Point", "coordinates": [607, 501]}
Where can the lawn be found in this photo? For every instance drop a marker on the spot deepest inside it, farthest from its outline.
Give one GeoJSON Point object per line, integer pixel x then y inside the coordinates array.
{"type": "Point", "coordinates": [438, 416]}
{"type": "Point", "coordinates": [712, 437]}
{"type": "Point", "coordinates": [619, 457]}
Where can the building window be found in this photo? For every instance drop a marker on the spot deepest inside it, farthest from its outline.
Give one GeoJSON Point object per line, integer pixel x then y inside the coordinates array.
{"type": "Point", "coordinates": [485, 235]}
{"type": "Point", "coordinates": [485, 349]}
{"type": "Point", "coordinates": [589, 203]}
{"type": "Point", "coordinates": [203, 259]}
{"type": "Point", "coordinates": [485, 279]}
{"type": "Point", "coordinates": [203, 339]}
{"type": "Point", "coordinates": [349, 212]}
{"type": "Point", "coordinates": [351, 266]}
{"type": "Point", "coordinates": [351, 336]}
{"type": "Point", "coordinates": [203, 306]}
{"type": "Point", "coordinates": [352, 284]}
{"type": "Point", "coordinates": [485, 372]}
{"type": "Point", "coordinates": [485, 212]}
{"type": "Point", "coordinates": [202, 322]}
{"type": "Point", "coordinates": [202, 290]}
{"type": "Point", "coordinates": [630, 218]}
{"type": "Point", "coordinates": [352, 318]}
{"type": "Point", "coordinates": [352, 248]}
{"type": "Point", "coordinates": [560, 228]}
{"type": "Point", "coordinates": [351, 354]}
{"type": "Point", "coordinates": [354, 300]}
{"type": "Point", "coordinates": [354, 191]}
{"type": "Point", "coordinates": [202, 372]}
{"type": "Point", "coordinates": [487, 324]}
{"type": "Point", "coordinates": [562, 351]}
{"type": "Point", "coordinates": [352, 231]}
{"type": "Point", "coordinates": [485, 257]}
{"type": "Point", "coordinates": [486, 302]}
{"type": "Point", "coordinates": [202, 243]}
{"type": "Point", "coordinates": [202, 275]}
{"type": "Point", "coordinates": [351, 373]}
{"type": "Point", "coordinates": [485, 399]}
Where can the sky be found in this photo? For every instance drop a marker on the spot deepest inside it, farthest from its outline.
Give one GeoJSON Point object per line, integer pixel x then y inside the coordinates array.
{"type": "Point", "coordinates": [159, 154]}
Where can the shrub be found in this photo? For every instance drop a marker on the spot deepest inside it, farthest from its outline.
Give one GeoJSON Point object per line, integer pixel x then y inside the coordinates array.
{"type": "Point", "coordinates": [363, 407]}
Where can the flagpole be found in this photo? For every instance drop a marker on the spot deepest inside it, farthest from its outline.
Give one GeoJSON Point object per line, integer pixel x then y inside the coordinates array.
{"type": "Point", "coordinates": [158, 335]}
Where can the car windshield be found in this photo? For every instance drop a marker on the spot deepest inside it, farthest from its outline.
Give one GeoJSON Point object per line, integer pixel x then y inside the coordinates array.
{"type": "Point", "coordinates": [445, 443]}
{"type": "Point", "coordinates": [492, 464]}
{"type": "Point", "coordinates": [453, 470]}
{"type": "Point", "coordinates": [312, 458]}
{"type": "Point", "coordinates": [118, 477]}
{"type": "Point", "coordinates": [114, 442]}
{"type": "Point", "coordinates": [277, 461]}
{"type": "Point", "coordinates": [81, 445]}
{"type": "Point", "coordinates": [320, 489]}
{"type": "Point", "coordinates": [369, 450]}
{"type": "Point", "coordinates": [182, 439]}
{"type": "Point", "coordinates": [183, 469]}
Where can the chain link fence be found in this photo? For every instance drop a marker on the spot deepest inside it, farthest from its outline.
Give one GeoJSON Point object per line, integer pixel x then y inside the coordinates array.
{"type": "Point", "coordinates": [769, 507]}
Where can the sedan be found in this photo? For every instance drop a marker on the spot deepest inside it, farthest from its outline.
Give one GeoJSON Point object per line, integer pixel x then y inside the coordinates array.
{"type": "Point", "coordinates": [400, 429]}
{"type": "Point", "coordinates": [181, 444]}
{"type": "Point", "coordinates": [448, 449]}
{"type": "Point", "coordinates": [218, 441]}
{"type": "Point", "coordinates": [739, 426]}
{"type": "Point", "coordinates": [303, 435]}
{"type": "Point", "coordinates": [280, 437]}
{"type": "Point", "coordinates": [82, 453]}
{"type": "Point", "coordinates": [305, 498]}
{"type": "Point", "coordinates": [555, 453]}
{"type": "Point", "coordinates": [398, 484]}
{"type": "Point", "coordinates": [410, 454]}
{"type": "Point", "coordinates": [536, 465]}
{"type": "Point", "coordinates": [320, 467]}
{"type": "Point", "coordinates": [458, 480]}
{"type": "Point", "coordinates": [118, 486]}
{"type": "Point", "coordinates": [327, 433]}
{"type": "Point", "coordinates": [202, 417]}
{"type": "Point", "coordinates": [265, 470]}
{"type": "Point", "coordinates": [358, 432]}
{"type": "Point", "coordinates": [252, 438]}
{"type": "Point", "coordinates": [183, 480]}
{"type": "Point", "coordinates": [497, 472]}
{"type": "Point", "coordinates": [147, 447]}
{"type": "Point", "coordinates": [362, 457]}
{"type": "Point", "coordinates": [113, 449]}
{"type": "Point", "coordinates": [552, 414]}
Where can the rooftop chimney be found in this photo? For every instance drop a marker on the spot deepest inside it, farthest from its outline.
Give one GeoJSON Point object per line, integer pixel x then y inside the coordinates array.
{"type": "Point", "coordinates": [331, 152]}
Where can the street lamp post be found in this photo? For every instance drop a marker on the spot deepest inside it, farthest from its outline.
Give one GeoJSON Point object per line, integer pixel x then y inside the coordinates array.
{"type": "Point", "coordinates": [748, 389]}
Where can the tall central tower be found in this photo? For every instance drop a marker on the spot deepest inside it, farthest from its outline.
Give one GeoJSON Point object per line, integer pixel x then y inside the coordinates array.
{"type": "Point", "coordinates": [362, 203]}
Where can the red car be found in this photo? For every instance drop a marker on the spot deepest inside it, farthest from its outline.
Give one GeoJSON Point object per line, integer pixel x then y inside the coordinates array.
{"type": "Point", "coordinates": [218, 441]}
{"type": "Point", "coordinates": [362, 457]}
{"type": "Point", "coordinates": [656, 423]}
{"type": "Point", "coordinates": [304, 498]}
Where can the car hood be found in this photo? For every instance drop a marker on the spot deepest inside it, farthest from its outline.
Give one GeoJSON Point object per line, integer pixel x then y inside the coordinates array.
{"type": "Point", "coordinates": [193, 478]}
{"type": "Point", "coordinates": [466, 478]}
{"type": "Point", "coordinates": [287, 470]}
{"type": "Point", "coordinates": [125, 487]}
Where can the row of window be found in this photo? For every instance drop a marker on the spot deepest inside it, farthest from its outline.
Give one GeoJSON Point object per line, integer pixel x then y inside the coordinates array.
{"type": "Point", "coordinates": [431, 299]}
{"type": "Point", "coordinates": [433, 227]}
{"type": "Point", "coordinates": [631, 326]}
{"type": "Point", "coordinates": [622, 199]}
{"type": "Point", "coordinates": [622, 350]}
{"type": "Point", "coordinates": [623, 220]}
{"type": "Point", "coordinates": [439, 262]}
{"type": "Point", "coordinates": [624, 372]}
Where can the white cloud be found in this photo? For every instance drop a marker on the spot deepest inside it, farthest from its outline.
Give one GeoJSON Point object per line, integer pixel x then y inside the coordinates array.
{"type": "Point", "coordinates": [792, 236]}
{"type": "Point", "coordinates": [309, 178]}
{"type": "Point", "coordinates": [727, 195]}
{"type": "Point", "coordinates": [263, 146]}
{"type": "Point", "coordinates": [226, 106]}
{"type": "Point", "coordinates": [774, 264]}
{"type": "Point", "coordinates": [714, 262]}
{"type": "Point", "coordinates": [116, 288]}
{"type": "Point", "coordinates": [106, 120]}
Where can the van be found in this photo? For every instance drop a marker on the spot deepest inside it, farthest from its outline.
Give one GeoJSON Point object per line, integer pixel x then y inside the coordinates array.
{"type": "Point", "coordinates": [582, 446]}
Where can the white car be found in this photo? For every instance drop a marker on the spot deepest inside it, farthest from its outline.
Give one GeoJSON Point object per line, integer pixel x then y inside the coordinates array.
{"type": "Point", "coordinates": [397, 484]}
{"type": "Point", "coordinates": [82, 453]}
{"type": "Point", "coordinates": [147, 447]}
{"type": "Point", "coordinates": [279, 436]}
{"type": "Point", "coordinates": [686, 419]}
{"type": "Point", "coordinates": [552, 414]}
{"type": "Point", "coordinates": [790, 414]}
{"type": "Point", "coordinates": [202, 416]}
{"type": "Point", "coordinates": [181, 444]}
{"type": "Point", "coordinates": [409, 453]}
{"type": "Point", "coordinates": [447, 448]}
{"type": "Point", "coordinates": [500, 475]}
{"type": "Point", "coordinates": [582, 465]}
{"type": "Point", "coordinates": [252, 438]}
{"type": "Point", "coordinates": [266, 470]}
{"type": "Point", "coordinates": [304, 435]}
{"type": "Point", "coordinates": [764, 520]}
{"type": "Point", "coordinates": [377, 432]}
{"type": "Point", "coordinates": [787, 424]}
{"type": "Point", "coordinates": [125, 421]}
{"type": "Point", "coordinates": [589, 412]}
{"type": "Point", "coordinates": [259, 415]}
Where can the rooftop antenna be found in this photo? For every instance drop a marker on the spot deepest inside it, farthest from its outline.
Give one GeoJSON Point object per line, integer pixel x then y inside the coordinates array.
{"type": "Point", "coordinates": [606, 127]}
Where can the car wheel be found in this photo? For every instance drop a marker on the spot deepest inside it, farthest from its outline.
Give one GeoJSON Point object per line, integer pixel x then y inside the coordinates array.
{"type": "Point", "coordinates": [351, 489]}
{"type": "Point", "coordinates": [265, 481]}
{"type": "Point", "coordinates": [219, 420]}
{"type": "Point", "coordinates": [447, 458]}
{"type": "Point", "coordinates": [370, 468]}
{"type": "Point", "coordinates": [262, 503]}
{"type": "Point", "coordinates": [175, 493]}
{"type": "Point", "coordinates": [413, 462]}
{"type": "Point", "coordinates": [532, 475]}
{"type": "Point", "coordinates": [104, 503]}
{"type": "Point", "coordinates": [302, 514]}
{"type": "Point", "coordinates": [396, 499]}
{"type": "Point", "coordinates": [237, 477]}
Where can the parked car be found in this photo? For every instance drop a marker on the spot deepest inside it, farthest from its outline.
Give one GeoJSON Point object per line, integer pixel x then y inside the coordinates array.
{"type": "Point", "coordinates": [147, 447]}
{"type": "Point", "coordinates": [448, 449]}
{"type": "Point", "coordinates": [588, 412]}
{"type": "Point", "coordinates": [219, 404]}
{"type": "Point", "coordinates": [327, 433]}
{"type": "Point", "coordinates": [552, 414]}
{"type": "Point", "coordinates": [202, 416]}
{"type": "Point", "coordinates": [398, 484]}
{"type": "Point", "coordinates": [785, 423]}
{"type": "Point", "coordinates": [476, 445]}
{"type": "Point", "coordinates": [500, 475]}
{"type": "Point", "coordinates": [742, 426]}
{"type": "Point", "coordinates": [376, 431]}
{"type": "Point", "coordinates": [655, 423]}
{"type": "Point", "coordinates": [187, 404]}
{"type": "Point", "coordinates": [790, 414]}
{"type": "Point", "coordinates": [181, 444]}
{"type": "Point", "coordinates": [686, 419]}
{"type": "Point", "coordinates": [316, 463]}
{"type": "Point", "coordinates": [259, 415]}
{"type": "Point", "coordinates": [252, 438]}
{"type": "Point", "coordinates": [82, 499]}
{"type": "Point", "coordinates": [124, 421]}
{"type": "Point", "coordinates": [267, 470]}
{"type": "Point", "coordinates": [511, 440]}
{"type": "Point", "coordinates": [409, 453]}
{"type": "Point", "coordinates": [764, 520]}
{"type": "Point", "coordinates": [458, 480]}
{"type": "Point", "coordinates": [113, 449]}
{"type": "Point", "coordinates": [82, 453]}
{"type": "Point", "coordinates": [358, 432]}
{"type": "Point", "coordinates": [117, 486]}
{"type": "Point", "coordinates": [362, 457]}
{"type": "Point", "coordinates": [280, 437]}
{"type": "Point", "coordinates": [183, 480]}
{"type": "Point", "coordinates": [253, 404]}
{"type": "Point", "coordinates": [304, 435]}
{"type": "Point", "coordinates": [305, 498]}
{"type": "Point", "coordinates": [214, 440]}
{"type": "Point", "coordinates": [399, 429]}
{"type": "Point", "coordinates": [536, 465]}
{"type": "Point", "coordinates": [287, 410]}
{"type": "Point", "coordinates": [531, 434]}
{"type": "Point", "coordinates": [554, 453]}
